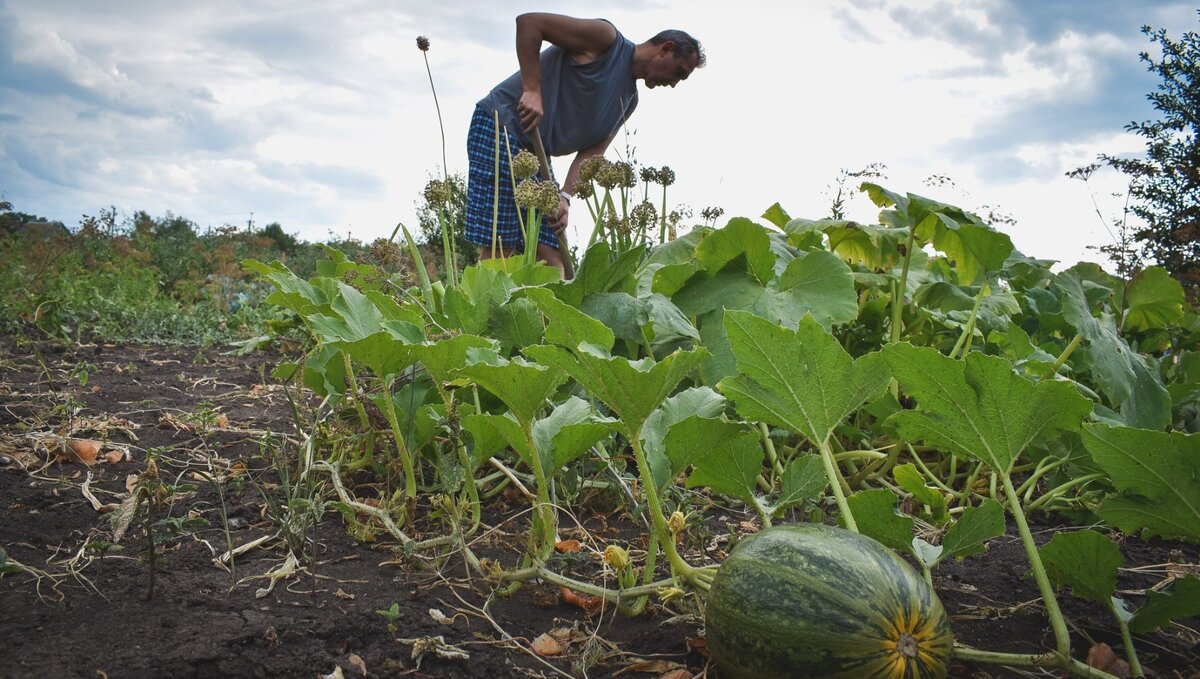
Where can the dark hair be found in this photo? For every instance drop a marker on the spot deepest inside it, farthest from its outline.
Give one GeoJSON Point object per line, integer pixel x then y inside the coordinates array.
{"type": "Point", "coordinates": [685, 45]}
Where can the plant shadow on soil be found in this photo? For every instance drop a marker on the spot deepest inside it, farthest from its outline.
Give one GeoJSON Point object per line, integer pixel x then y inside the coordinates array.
{"type": "Point", "coordinates": [86, 615]}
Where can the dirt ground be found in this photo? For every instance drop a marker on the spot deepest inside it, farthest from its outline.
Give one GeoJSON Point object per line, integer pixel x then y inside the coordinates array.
{"type": "Point", "coordinates": [80, 610]}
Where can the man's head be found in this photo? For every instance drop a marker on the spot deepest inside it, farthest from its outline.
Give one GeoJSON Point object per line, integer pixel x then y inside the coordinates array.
{"type": "Point", "coordinates": [672, 55]}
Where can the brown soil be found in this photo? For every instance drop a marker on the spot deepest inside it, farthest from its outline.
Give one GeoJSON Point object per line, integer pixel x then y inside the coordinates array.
{"type": "Point", "coordinates": [86, 613]}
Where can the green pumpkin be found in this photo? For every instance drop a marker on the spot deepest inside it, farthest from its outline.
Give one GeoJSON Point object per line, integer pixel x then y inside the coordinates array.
{"type": "Point", "coordinates": [813, 601]}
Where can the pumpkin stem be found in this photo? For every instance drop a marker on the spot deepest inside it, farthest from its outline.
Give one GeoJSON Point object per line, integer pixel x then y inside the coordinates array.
{"type": "Point", "coordinates": [907, 645]}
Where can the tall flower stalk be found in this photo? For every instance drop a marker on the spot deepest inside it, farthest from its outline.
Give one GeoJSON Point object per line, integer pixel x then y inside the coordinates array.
{"type": "Point", "coordinates": [448, 238]}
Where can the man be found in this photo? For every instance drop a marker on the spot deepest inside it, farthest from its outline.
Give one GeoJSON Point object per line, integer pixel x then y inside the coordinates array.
{"type": "Point", "coordinates": [577, 93]}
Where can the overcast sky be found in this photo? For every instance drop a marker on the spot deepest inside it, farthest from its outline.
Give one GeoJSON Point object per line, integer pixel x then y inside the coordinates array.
{"type": "Point", "coordinates": [319, 116]}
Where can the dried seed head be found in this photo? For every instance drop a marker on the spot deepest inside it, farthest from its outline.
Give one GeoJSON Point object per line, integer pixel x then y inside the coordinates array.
{"type": "Point", "coordinates": [549, 199]}
{"type": "Point", "coordinates": [526, 193]}
{"type": "Point", "coordinates": [385, 252]}
{"type": "Point", "coordinates": [712, 213]}
{"type": "Point", "coordinates": [584, 190]}
{"type": "Point", "coordinates": [591, 167]}
{"type": "Point", "coordinates": [628, 176]}
{"type": "Point", "coordinates": [422, 43]}
{"type": "Point", "coordinates": [643, 214]}
{"type": "Point", "coordinates": [666, 176]}
{"type": "Point", "coordinates": [650, 175]}
{"type": "Point", "coordinates": [616, 557]}
{"type": "Point", "coordinates": [525, 165]}
{"type": "Point", "coordinates": [541, 196]}
{"type": "Point", "coordinates": [437, 192]}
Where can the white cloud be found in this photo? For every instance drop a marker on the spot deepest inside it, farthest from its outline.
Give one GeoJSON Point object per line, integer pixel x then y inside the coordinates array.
{"type": "Point", "coordinates": [319, 115]}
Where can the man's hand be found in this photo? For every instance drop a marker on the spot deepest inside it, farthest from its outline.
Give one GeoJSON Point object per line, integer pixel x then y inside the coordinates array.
{"type": "Point", "coordinates": [529, 108]}
{"type": "Point", "coordinates": [558, 221]}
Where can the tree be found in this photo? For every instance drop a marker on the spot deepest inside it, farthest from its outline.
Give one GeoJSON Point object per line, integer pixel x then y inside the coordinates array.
{"type": "Point", "coordinates": [1165, 185]}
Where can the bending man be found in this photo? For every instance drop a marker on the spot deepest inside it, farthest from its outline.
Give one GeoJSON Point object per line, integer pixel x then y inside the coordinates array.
{"type": "Point", "coordinates": [577, 93]}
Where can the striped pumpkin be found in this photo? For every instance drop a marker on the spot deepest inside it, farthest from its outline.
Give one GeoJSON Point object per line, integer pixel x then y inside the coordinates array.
{"type": "Point", "coordinates": [809, 601]}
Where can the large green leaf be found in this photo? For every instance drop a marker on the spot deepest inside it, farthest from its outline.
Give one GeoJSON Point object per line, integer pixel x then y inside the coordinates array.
{"type": "Point", "coordinates": [631, 389]}
{"type": "Point", "coordinates": [567, 326]}
{"type": "Point", "coordinates": [802, 380]}
{"type": "Point", "coordinates": [803, 479]}
{"type": "Point", "coordinates": [974, 248]}
{"type": "Point", "coordinates": [872, 245]}
{"type": "Point", "coordinates": [740, 238]}
{"type": "Point", "coordinates": [974, 527]}
{"type": "Point", "coordinates": [1180, 599]}
{"type": "Point", "coordinates": [622, 313]}
{"type": "Point", "coordinates": [291, 291]}
{"type": "Point", "coordinates": [1157, 475]}
{"type": "Point", "coordinates": [669, 328]}
{"type": "Point", "coordinates": [569, 431]}
{"type": "Point", "coordinates": [516, 324]}
{"type": "Point", "coordinates": [1084, 560]}
{"type": "Point", "coordinates": [443, 357]}
{"type": "Point", "coordinates": [877, 517]}
{"type": "Point", "coordinates": [600, 271]}
{"type": "Point", "coordinates": [979, 407]}
{"type": "Point", "coordinates": [480, 290]}
{"type": "Point", "coordinates": [725, 456]}
{"type": "Point", "coordinates": [522, 386]}
{"type": "Point", "coordinates": [1129, 379]}
{"type": "Point", "coordinates": [1153, 300]}
{"type": "Point", "coordinates": [697, 401]}
{"type": "Point", "coordinates": [818, 283]}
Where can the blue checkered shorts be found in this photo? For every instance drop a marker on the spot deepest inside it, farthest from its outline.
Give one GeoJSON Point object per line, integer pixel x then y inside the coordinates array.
{"type": "Point", "coordinates": [481, 182]}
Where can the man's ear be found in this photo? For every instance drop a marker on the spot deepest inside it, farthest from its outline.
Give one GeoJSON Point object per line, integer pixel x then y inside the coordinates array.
{"type": "Point", "coordinates": [667, 47]}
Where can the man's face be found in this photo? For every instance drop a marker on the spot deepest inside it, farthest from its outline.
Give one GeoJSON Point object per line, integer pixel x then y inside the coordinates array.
{"type": "Point", "coordinates": [667, 69]}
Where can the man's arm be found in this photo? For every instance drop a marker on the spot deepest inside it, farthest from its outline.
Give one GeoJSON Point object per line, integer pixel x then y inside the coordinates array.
{"type": "Point", "coordinates": [560, 221]}
{"type": "Point", "coordinates": [584, 40]}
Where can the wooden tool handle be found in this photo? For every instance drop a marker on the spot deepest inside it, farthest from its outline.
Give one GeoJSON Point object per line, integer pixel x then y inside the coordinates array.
{"type": "Point", "coordinates": [544, 161]}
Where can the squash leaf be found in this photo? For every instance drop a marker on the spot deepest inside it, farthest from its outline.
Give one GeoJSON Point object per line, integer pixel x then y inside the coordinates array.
{"type": "Point", "coordinates": [1130, 380]}
{"type": "Point", "coordinates": [969, 535]}
{"type": "Point", "coordinates": [802, 380]}
{"type": "Point", "coordinates": [1180, 599]}
{"type": "Point", "coordinates": [1154, 300]}
{"type": "Point", "coordinates": [1157, 475]}
{"type": "Point", "coordinates": [979, 407]}
{"type": "Point", "coordinates": [1084, 560]}
{"type": "Point", "coordinates": [876, 515]}
{"type": "Point", "coordinates": [803, 479]}
{"type": "Point", "coordinates": [631, 389]}
{"type": "Point", "coordinates": [911, 480]}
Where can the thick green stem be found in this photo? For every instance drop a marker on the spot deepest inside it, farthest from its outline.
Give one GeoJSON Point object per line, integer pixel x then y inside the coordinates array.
{"type": "Point", "coordinates": [969, 329]}
{"type": "Point", "coordinates": [902, 287]}
{"type": "Point", "coordinates": [679, 567]}
{"type": "Point", "coordinates": [836, 481]}
{"type": "Point", "coordinates": [545, 518]}
{"type": "Point", "coordinates": [1066, 353]}
{"type": "Point", "coordinates": [1135, 667]}
{"type": "Point", "coordinates": [764, 432]}
{"type": "Point", "coordinates": [1044, 466]}
{"type": "Point", "coordinates": [972, 655]}
{"type": "Point", "coordinates": [1057, 622]}
{"type": "Point", "coordinates": [410, 475]}
{"type": "Point", "coordinates": [1058, 491]}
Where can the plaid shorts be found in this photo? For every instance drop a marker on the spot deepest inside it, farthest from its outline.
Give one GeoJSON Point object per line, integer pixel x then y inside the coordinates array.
{"type": "Point", "coordinates": [481, 182]}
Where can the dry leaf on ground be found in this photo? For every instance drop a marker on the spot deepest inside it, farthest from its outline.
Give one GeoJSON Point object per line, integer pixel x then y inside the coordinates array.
{"type": "Point", "coordinates": [358, 662]}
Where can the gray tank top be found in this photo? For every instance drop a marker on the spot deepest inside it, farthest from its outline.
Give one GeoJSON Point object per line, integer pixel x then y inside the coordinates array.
{"type": "Point", "coordinates": [583, 104]}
